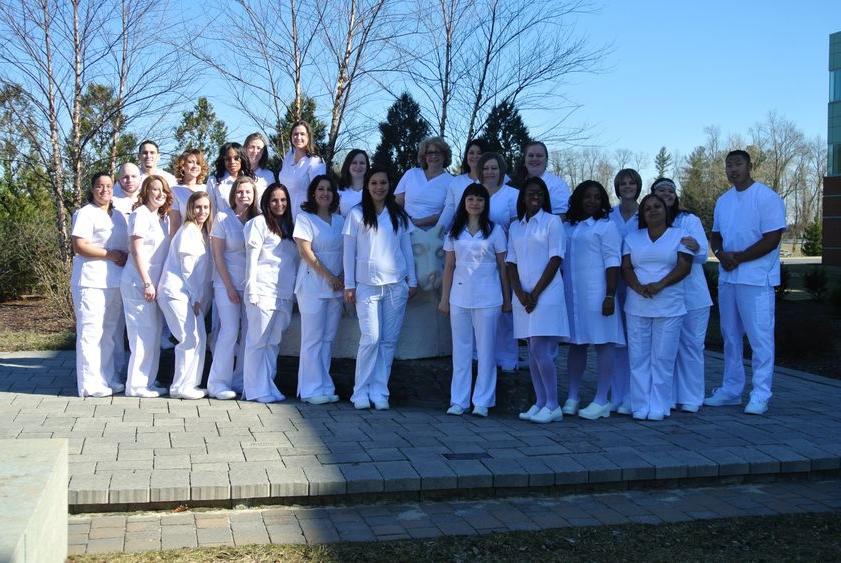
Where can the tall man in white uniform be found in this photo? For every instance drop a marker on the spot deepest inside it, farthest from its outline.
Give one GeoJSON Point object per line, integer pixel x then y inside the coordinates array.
{"type": "Point", "coordinates": [748, 223]}
{"type": "Point", "coordinates": [149, 154]}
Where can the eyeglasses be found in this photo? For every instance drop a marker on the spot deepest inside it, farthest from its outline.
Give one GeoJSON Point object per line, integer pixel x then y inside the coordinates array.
{"type": "Point", "coordinates": [433, 153]}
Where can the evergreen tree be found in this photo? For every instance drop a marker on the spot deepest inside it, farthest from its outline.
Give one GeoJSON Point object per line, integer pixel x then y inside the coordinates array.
{"type": "Point", "coordinates": [506, 133]}
{"type": "Point", "coordinates": [400, 134]}
{"type": "Point", "coordinates": [813, 239]}
{"type": "Point", "coordinates": [662, 162]}
{"type": "Point", "coordinates": [199, 129]}
{"type": "Point", "coordinates": [280, 140]}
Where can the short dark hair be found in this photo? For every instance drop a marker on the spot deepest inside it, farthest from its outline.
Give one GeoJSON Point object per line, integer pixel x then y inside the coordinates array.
{"type": "Point", "coordinates": [643, 224]}
{"type": "Point", "coordinates": [739, 152]}
{"type": "Point", "coordinates": [94, 178]}
{"type": "Point", "coordinates": [310, 206]}
{"type": "Point", "coordinates": [576, 212]}
{"type": "Point", "coordinates": [148, 142]}
{"type": "Point", "coordinates": [500, 162]}
{"type": "Point", "coordinates": [345, 180]}
{"type": "Point", "coordinates": [633, 175]}
{"type": "Point", "coordinates": [521, 204]}
{"type": "Point", "coordinates": [483, 146]}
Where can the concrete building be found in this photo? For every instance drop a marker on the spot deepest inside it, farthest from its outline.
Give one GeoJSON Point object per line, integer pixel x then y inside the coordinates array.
{"type": "Point", "coordinates": [832, 182]}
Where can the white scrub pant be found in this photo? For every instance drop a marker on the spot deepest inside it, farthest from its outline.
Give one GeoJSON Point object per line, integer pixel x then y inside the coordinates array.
{"type": "Point", "coordinates": [507, 354]}
{"type": "Point", "coordinates": [121, 355]}
{"type": "Point", "coordinates": [380, 309]}
{"type": "Point", "coordinates": [621, 381]}
{"type": "Point", "coordinates": [464, 323]}
{"type": "Point", "coordinates": [98, 315]}
{"type": "Point", "coordinates": [652, 349]}
{"type": "Point", "coordinates": [747, 309]}
{"type": "Point", "coordinates": [188, 329]}
{"type": "Point", "coordinates": [689, 368]}
{"type": "Point", "coordinates": [319, 323]}
{"type": "Point", "coordinates": [229, 350]}
{"type": "Point", "coordinates": [262, 345]}
{"type": "Point", "coordinates": [143, 325]}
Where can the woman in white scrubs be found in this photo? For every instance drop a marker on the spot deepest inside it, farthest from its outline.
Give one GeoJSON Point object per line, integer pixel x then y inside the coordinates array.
{"type": "Point", "coordinates": [379, 278]}
{"type": "Point", "coordinates": [257, 150]}
{"type": "Point", "coordinates": [474, 292]}
{"type": "Point", "coordinates": [99, 235]}
{"type": "Point", "coordinates": [227, 243]}
{"type": "Point", "coordinates": [591, 272]}
{"type": "Point", "coordinates": [688, 389]}
{"type": "Point", "coordinates": [536, 247]}
{"type": "Point", "coordinates": [627, 185]}
{"type": "Point", "coordinates": [300, 165]}
{"type": "Point", "coordinates": [149, 235]}
{"type": "Point", "coordinates": [422, 190]}
{"type": "Point", "coordinates": [534, 165]}
{"type": "Point", "coordinates": [318, 288]}
{"type": "Point", "coordinates": [231, 163]}
{"type": "Point", "coordinates": [654, 263]}
{"type": "Point", "coordinates": [352, 180]}
{"type": "Point", "coordinates": [271, 261]}
{"type": "Point", "coordinates": [191, 172]}
{"type": "Point", "coordinates": [469, 175]}
{"type": "Point", "coordinates": [184, 296]}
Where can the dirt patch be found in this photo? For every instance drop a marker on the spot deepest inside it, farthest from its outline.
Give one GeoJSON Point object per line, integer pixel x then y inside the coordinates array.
{"type": "Point", "coordinates": [34, 315]}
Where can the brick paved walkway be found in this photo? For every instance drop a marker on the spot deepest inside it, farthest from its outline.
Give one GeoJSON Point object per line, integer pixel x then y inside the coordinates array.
{"type": "Point", "coordinates": [97, 533]}
{"type": "Point", "coordinates": [126, 451]}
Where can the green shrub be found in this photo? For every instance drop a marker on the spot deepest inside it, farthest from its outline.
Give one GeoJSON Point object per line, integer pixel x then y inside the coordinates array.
{"type": "Point", "coordinates": [813, 239]}
{"type": "Point", "coordinates": [816, 282]}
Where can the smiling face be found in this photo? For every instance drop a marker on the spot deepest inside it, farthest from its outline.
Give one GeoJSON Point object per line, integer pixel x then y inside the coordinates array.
{"type": "Point", "coordinates": [300, 138]}
{"type": "Point", "coordinates": [474, 205]}
{"type": "Point", "coordinates": [149, 156]}
{"type": "Point", "coordinates": [201, 210]}
{"type": "Point", "coordinates": [129, 178]}
{"type": "Point", "coordinates": [490, 174]}
{"type": "Point", "coordinates": [190, 170]}
{"type": "Point", "coordinates": [102, 191]}
{"type": "Point", "coordinates": [533, 199]}
{"type": "Point", "coordinates": [628, 188]}
{"type": "Point", "coordinates": [358, 166]}
{"type": "Point", "coordinates": [323, 195]}
{"type": "Point", "coordinates": [278, 202]}
{"type": "Point", "coordinates": [591, 201]}
{"type": "Point", "coordinates": [378, 187]}
{"type": "Point", "coordinates": [474, 153]}
{"type": "Point", "coordinates": [157, 195]}
{"type": "Point", "coordinates": [254, 150]}
{"type": "Point", "coordinates": [654, 212]}
{"type": "Point", "coordinates": [243, 196]}
{"type": "Point", "coordinates": [666, 193]}
{"type": "Point", "coordinates": [434, 157]}
{"type": "Point", "coordinates": [233, 164]}
{"type": "Point", "coordinates": [536, 158]}
{"type": "Point", "coordinates": [738, 171]}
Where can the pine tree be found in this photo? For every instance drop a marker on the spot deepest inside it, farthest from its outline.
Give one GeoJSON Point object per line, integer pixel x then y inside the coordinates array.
{"type": "Point", "coordinates": [400, 134]}
{"type": "Point", "coordinates": [199, 129]}
{"type": "Point", "coordinates": [506, 133]}
{"type": "Point", "coordinates": [662, 162]}
{"type": "Point", "coordinates": [813, 239]}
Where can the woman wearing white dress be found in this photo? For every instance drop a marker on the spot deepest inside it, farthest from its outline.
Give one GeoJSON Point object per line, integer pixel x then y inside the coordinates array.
{"type": "Point", "coordinates": [184, 296]}
{"type": "Point", "coordinates": [227, 243]}
{"type": "Point", "coordinates": [149, 234]}
{"type": "Point", "coordinates": [231, 163]}
{"type": "Point", "coordinates": [257, 150]}
{"type": "Point", "coordinates": [99, 235]}
{"type": "Point", "coordinates": [300, 165]}
{"type": "Point", "coordinates": [469, 174]}
{"type": "Point", "coordinates": [591, 272]}
{"type": "Point", "coordinates": [474, 288]}
{"type": "Point", "coordinates": [379, 278]}
{"type": "Point", "coordinates": [534, 165]}
{"type": "Point", "coordinates": [318, 288]}
{"type": "Point", "coordinates": [688, 389]}
{"type": "Point", "coordinates": [502, 211]}
{"type": "Point", "coordinates": [352, 180]}
{"type": "Point", "coordinates": [627, 185]}
{"type": "Point", "coordinates": [654, 263]}
{"type": "Point", "coordinates": [191, 172]}
{"type": "Point", "coordinates": [536, 247]}
{"type": "Point", "coordinates": [423, 189]}
{"type": "Point", "coordinates": [271, 261]}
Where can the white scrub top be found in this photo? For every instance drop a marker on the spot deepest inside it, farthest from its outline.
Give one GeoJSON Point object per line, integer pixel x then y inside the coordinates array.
{"type": "Point", "coordinates": [558, 192]}
{"type": "Point", "coordinates": [348, 199]}
{"type": "Point", "coordinates": [625, 227]}
{"type": "Point", "coordinates": [327, 244]}
{"type": "Point", "coordinates": [592, 247]}
{"type": "Point", "coordinates": [476, 282]}
{"type": "Point", "coordinates": [154, 234]}
{"type": "Point", "coordinates": [423, 197]}
{"type": "Point", "coordinates": [270, 265]}
{"type": "Point", "coordinates": [188, 266]}
{"type": "Point", "coordinates": [742, 217]}
{"type": "Point", "coordinates": [104, 230]}
{"type": "Point", "coordinates": [504, 206]}
{"type": "Point", "coordinates": [695, 287]}
{"type": "Point", "coordinates": [377, 256]}
{"type": "Point", "coordinates": [181, 195]}
{"type": "Point", "coordinates": [652, 261]}
{"type": "Point", "coordinates": [219, 191]}
{"type": "Point", "coordinates": [170, 179]}
{"type": "Point", "coordinates": [229, 228]}
{"type": "Point", "coordinates": [124, 204]}
{"type": "Point", "coordinates": [296, 176]}
{"type": "Point", "coordinates": [263, 178]}
{"type": "Point", "coordinates": [455, 189]}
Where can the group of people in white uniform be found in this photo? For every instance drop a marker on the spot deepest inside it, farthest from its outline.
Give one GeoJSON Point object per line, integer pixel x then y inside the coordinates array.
{"type": "Point", "coordinates": [532, 262]}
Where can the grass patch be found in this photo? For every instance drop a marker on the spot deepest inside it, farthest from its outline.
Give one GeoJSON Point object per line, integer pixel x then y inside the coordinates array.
{"type": "Point", "coordinates": [25, 340]}
{"type": "Point", "coordinates": [810, 537]}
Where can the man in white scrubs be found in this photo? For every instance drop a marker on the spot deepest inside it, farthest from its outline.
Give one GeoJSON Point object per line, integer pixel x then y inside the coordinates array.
{"type": "Point", "coordinates": [129, 184]}
{"type": "Point", "coordinates": [149, 154]}
{"type": "Point", "coordinates": [748, 223]}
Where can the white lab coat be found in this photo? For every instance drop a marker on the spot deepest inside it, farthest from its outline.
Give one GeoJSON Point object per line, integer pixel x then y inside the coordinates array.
{"type": "Point", "coordinates": [296, 176]}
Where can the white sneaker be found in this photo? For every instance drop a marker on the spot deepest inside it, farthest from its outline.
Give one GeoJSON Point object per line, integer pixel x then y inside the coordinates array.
{"type": "Point", "coordinates": [332, 398]}
{"type": "Point", "coordinates": [719, 398]}
{"type": "Point", "coordinates": [144, 393]}
{"type": "Point", "coordinates": [161, 391]}
{"type": "Point", "coordinates": [624, 408]}
{"type": "Point", "coordinates": [100, 394]}
{"type": "Point", "coordinates": [455, 410]}
{"type": "Point", "coordinates": [480, 411]}
{"type": "Point", "coordinates": [756, 407]}
{"type": "Point", "coordinates": [381, 405]}
{"type": "Point", "coordinates": [689, 408]}
{"type": "Point", "coordinates": [317, 400]}
{"type": "Point", "coordinates": [545, 415]}
{"type": "Point", "coordinates": [225, 395]}
{"type": "Point", "coordinates": [594, 411]}
{"type": "Point", "coordinates": [188, 394]}
{"type": "Point", "coordinates": [533, 410]}
{"type": "Point", "coordinates": [362, 404]}
{"type": "Point", "coordinates": [570, 407]}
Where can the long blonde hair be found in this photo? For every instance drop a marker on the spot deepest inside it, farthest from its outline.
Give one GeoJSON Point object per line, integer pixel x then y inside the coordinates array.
{"type": "Point", "coordinates": [191, 215]}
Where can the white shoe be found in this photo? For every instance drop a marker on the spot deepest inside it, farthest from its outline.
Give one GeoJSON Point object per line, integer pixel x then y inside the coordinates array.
{"type": "Point", "coordinates": [689, 408]}
{"type": "Point", "coordinates": [480, 411]}
{"type": "Point", "coordinates": [570, 407]}
{"type": "Point", "coordinates": [332, 398]}
{"type": "Point", "coordinates": [117, 388]}
{"type": "Point", "coordinates": [756, 407]}
{"type": "Point", "coordinates": [533, 410]}
{"type": "Point", "coordinates": [188, 394]}
{"type": "Point", "coordinates": [595, 411]}
{"type": "Point", "coordinates": [545, 415]}
{"type": "Point", "coordinates": [225, 395]}
{"type": "Point", "coordinates": [161, 391]}
{"type": "Point", "coordinates": [624, 408]}
{"type": "Point", "coordinates": [455, 410]}
{"type": "Point", "coordinates": [100, 394]}
{"type": "Point", "coordinates": [317, 400]}
{"type": "Point", "coordinates": [381, 405]}
{"type": "Point", "coordinates": [267, 400]}
{"type": "Point", "coordinates": [144, 393]}
{"type": "Point", "coordinates": [362, 404]}
{"type": "Point", "coordinates": [719, 398]}
{"type": "Point", "coordinates": [656, 416]}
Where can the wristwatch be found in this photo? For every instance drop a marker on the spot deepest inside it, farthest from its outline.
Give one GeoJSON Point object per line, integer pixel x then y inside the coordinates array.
{"type": "Point", "coordinates": [147, 285]}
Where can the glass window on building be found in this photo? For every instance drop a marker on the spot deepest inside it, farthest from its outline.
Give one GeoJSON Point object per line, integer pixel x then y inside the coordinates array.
{"type": "Point", "coordinates": [834, 164]}
{"type": "Point", "coordinates": [835, 86]}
